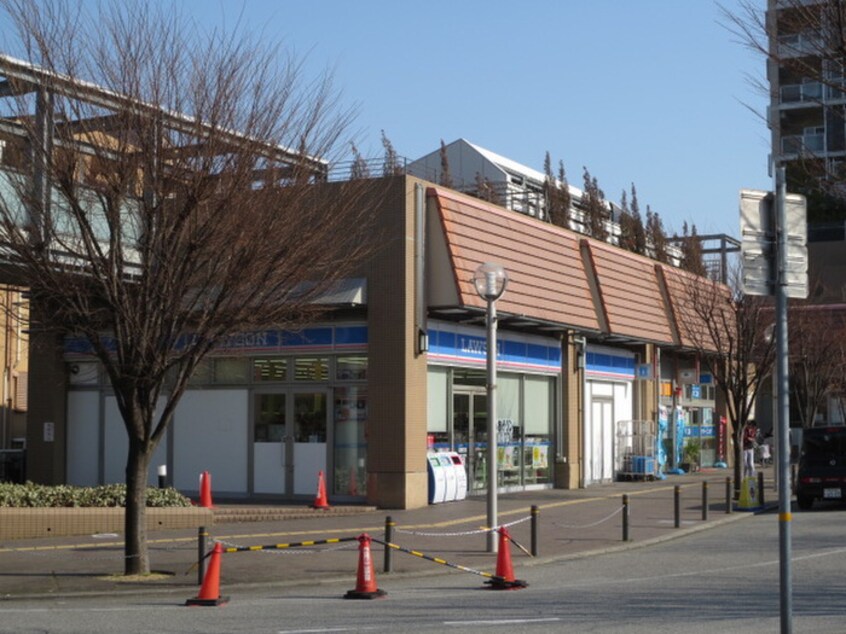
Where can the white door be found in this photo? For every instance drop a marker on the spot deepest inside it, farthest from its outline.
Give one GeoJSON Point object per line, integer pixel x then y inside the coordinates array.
{"type": "Point", "coordinates": [599, 464]}
{"type": "Point", "coordinates": [270, 443]}
{"type": "Point", "coordinates": [289, 441]}
{"type": "Point", "coordinates": [309, 415]}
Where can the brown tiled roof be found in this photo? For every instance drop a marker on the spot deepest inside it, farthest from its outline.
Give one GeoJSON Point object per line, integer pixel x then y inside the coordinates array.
{"type": "Point", "coordinates": [560, 276]}
{"type": "Point", "coordinates": [630, 294]}
{"type": "Point", "coordinates": [547, 277]}
{"type": "Point", "coordinates": [685, 291]}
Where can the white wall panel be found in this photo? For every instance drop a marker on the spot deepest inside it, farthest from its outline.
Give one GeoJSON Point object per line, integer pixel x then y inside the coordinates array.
{"type": "Point", "coordinates": [83, 425]}
{"type": "Point", "coordinates": [210, 434]}
{"type": "Point", "coordinates": [116, 446]}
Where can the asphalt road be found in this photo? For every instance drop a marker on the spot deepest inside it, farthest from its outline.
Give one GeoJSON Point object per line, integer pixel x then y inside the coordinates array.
{"type": "Point", "coordinates": [719, 580]}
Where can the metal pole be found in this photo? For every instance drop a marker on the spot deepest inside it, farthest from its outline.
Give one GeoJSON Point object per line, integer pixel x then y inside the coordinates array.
{"type": "Point", "coordinates": [389, 538]}
{"type": "Point", "coordinates": [625, 517]}
{"type": "Point", "coordinates": [776, 428]}
{"type": "Point", "coordinates": [704, 501]}
{"type": "Point", "coordinates": [784, 515]}
{"type": "Point", "coordinates": [492, 435]}
{"type": "Point", "coordinates": [535, 514]}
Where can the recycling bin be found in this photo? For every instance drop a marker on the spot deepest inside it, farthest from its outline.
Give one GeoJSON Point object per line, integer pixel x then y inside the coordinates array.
{"type": "Point", "coordinates": [437, 479]}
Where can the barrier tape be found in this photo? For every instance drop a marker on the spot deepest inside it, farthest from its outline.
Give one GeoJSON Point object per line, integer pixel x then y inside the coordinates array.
{"type": "Point", "coordinates": [440, 561]}
{"type": "Point", "coordinates": [515, 522]}
{"type": "Point", "coordinates": [289, 551]}
{"type": "Point", "coordinates": [597, 523]}
{"type": "Point", "coordinates": [316, 542]}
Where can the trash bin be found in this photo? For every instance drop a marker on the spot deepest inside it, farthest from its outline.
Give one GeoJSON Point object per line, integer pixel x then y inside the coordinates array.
{"type": "Point", "coordinates": [437, 479]}
{"type": "Point", "coordinates": [460, 475]}
{"type": "Point", "coordinates": [450, 476]}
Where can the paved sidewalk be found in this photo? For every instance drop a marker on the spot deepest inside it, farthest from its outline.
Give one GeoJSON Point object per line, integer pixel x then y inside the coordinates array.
{"type": "Point", "coordinates": [573, 523]}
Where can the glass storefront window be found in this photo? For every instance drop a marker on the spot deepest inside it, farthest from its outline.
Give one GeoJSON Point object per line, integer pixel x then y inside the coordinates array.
{"type": "Point", "coordinates": [311, 369]}
{"type": "Point", "coordinates": [436, 408]}
{"type": "Point", "coordinates": [525, 408]}
{"type": "Point", "coordinates": [270, 418]}
{"type": "Point", "coordinates": [351, 369]}
{"type": "Point", "coordinates": [270, 369]}
{"type": "Point", "coordinates": [202, 373]}
{"type": "Point", "coordinates": [539, 391]}
{"type": "Point", "coordinates": [310, 417]}
{"type": "Point", "coordinates": [350, 445]}
{"type": "Point", "coordinates": [231, 370]}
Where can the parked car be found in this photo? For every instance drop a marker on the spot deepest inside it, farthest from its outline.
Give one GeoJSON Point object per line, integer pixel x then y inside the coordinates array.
{"type": "Point", "coordinates": [822, 466]}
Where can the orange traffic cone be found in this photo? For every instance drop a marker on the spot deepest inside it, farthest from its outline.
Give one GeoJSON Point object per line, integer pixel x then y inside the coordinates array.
{"type": "Point", "coordinates": [210, 590]}
{"type": "Point", "coordinates": [504, 579]}
{"type": "Point", "coordinates": [365, 582]}
{"type": "Point", "coordinates": [205, 490]}
{"type": "Point", "coordinates": [320, 501]}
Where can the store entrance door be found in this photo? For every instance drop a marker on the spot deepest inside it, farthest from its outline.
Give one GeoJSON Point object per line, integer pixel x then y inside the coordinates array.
{"type": "Point", "coordinates": [469, 426]}
{"type": "Point", "coordinates": [289, 441]}
{"type": "Point", "coordinates": [600, 437]}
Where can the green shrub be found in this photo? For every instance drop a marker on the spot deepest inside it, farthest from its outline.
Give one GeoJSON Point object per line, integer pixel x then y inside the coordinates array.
{"type": "Point", "coordinates": [31, 495]}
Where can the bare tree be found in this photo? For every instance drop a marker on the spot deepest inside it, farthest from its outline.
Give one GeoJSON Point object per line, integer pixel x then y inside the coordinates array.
{"type": "Point", "coordinates": [729, 329]}
{"type": "Point", "coordinates": [446, 175]}
{"type": "Point", "coordinates": [485, 189]}
{"type": "Point", "coordinates": [159, 210]}
{"type": "Point", "coordinates": [595, 208]}
{"type": "Point", "coordinates": [391, 163]}
{"type": "Point", "coordinates": [691, 251]}
{"type": "Point", "coordinates": [556, 194]}
{"type": "Point", "coordinates": [638, 229]}
{"type": "Point", "coordinates": [359, 168]}
{"type": "Point", "coordinates": [656, 237]}
{"type": "Point", "coordinates": [817, 358]}
{"type": "Point", "coordinates": [627, 226]}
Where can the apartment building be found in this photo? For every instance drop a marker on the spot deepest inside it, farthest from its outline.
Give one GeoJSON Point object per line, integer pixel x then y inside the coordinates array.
{"type": "Point", "coordinates": [807, 115]}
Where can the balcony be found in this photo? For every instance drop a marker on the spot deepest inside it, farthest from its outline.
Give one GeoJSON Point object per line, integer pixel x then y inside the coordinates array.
{"type": "Point", "coordinates": [802, 93]}
{"type": "Point", "coordinates": [803, 144]}
{"type": "Point", "coordinates": [799, 44]}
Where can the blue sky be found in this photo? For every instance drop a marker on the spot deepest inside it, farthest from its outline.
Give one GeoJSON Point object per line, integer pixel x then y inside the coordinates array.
{"type": "Point", "coordinates": [654, 92]}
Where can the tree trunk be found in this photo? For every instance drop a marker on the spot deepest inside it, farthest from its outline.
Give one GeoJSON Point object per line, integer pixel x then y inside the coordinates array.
{"type": "Point", "coordinates": [137, 560]}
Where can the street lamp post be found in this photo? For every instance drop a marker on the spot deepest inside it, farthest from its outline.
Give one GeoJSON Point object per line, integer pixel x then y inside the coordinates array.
{"type": "Point", "coordinates": [490, 281]}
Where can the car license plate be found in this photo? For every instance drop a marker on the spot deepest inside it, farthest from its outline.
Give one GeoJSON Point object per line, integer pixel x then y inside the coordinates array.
{"type": "Point", "coordinates": [831, 494]}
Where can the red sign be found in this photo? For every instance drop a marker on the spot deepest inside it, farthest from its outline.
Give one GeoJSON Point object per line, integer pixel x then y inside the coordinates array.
{"type": "Point", "coordinates": [722, 439]}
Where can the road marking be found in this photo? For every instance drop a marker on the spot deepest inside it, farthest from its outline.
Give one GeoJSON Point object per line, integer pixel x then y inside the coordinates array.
{"type": "Point", "coordinates": [327, 629]}
{"type": "Point", "coordinates": [501, 622]}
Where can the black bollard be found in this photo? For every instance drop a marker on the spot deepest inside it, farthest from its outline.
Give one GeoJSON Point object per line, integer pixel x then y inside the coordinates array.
{"type": "Point", "coordinates": [625, 517]}
{"type": "Point", "coordinates": [704, 501]}
{"type": "Point", "coordinates": [728, 495]}
{"type": "Point", "coordinates": [202, 536]}
{"type": "Point", "coordinates": [677, 505]}
{"type": "Point", "coordinates": [389, 536]}
{"type": "Point", "coordinates": [534, 544]}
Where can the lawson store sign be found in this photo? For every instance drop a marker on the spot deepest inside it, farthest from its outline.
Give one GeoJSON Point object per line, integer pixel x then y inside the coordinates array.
{"type": "Point", "coordinates": [459, 345]}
